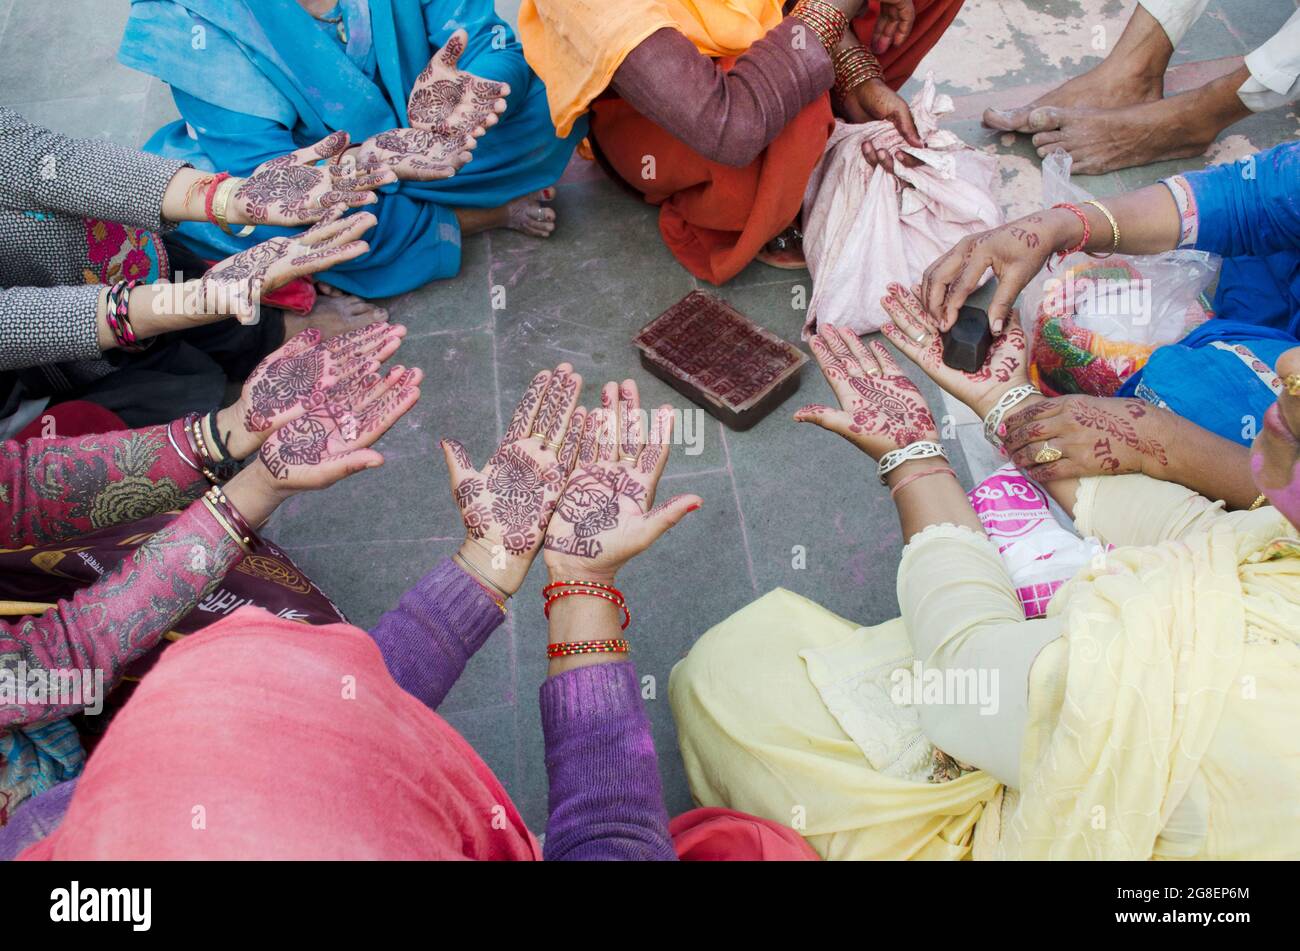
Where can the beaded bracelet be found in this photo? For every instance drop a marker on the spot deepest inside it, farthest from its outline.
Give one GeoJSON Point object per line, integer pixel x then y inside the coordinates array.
{"type": "Point", "coordinates": [1006, 402]}
{"type": "Point", "coordinates": [230, 519]}
{"type": "Point", "coordinates": [613, 645]}
{"type": "Point", "coordinates": [923, 449]}
{"type": "Point", "coordinates": [551, 594]}
{"type": "Point", "coordinates": [1083, 242]}
{"type": "Point", "coordinates": [854, 66]}
{"type": "Point", "coordinates": [825, 20]}
{"type": "Point", "coordinates": [117, 312]}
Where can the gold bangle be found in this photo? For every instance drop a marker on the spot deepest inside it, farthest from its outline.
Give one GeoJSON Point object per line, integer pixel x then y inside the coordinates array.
{"type": "Point", "coordinates": [854, 65]}
{"type": "Point", "coordinates": [230, 529]}
{"type": "Point", "coordinates": [1258, 503]}
{"type": "Point", "coordinates": [824, 19]}
{"type": "Point", "coordinates": [1114, 227]}
{"type": "Point", "coordinates": [1292, 384]}
{"type": "Point", "coordinates": [220, 202]}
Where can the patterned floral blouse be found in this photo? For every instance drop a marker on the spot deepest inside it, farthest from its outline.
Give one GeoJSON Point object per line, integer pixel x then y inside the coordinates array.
{"type": "Point", "coordinates": [61, 488]}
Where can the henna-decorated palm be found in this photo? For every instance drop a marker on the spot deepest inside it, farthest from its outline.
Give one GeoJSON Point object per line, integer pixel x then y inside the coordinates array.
{"type": "Point", "coordinates": [299, 376]}
{"type": "Point", "coordinates": [605, 516]}
{"type": "Point", "coordinates": [449, 100]}
{"type": "Point", "coordinates": [914, 332]}
{"type": "Point", "coordinates": [293, 189]}
{"type": "Point", "coordinates": [880, 408]}
{"type": "Point", "coordinates": [236, 285]}
{"type": "Point", "coordinates": [332, 440]}
{"type": "Point", "coordinates": [417, 154]}
{"type": "Point", "coordinates": [506, 505]}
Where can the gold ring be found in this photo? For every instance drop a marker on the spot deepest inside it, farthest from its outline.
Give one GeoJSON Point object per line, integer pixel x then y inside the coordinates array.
{"type": "Point", "coordinates": [919, 341]}
{"type": "Point", "coordinates": [1048, 453]}
{"type": "Point", "coordinates": [553, 446]}
{"type": "Point", "coordinates": [1292, 384]}
{"type": "Point", "coordinates": [624, 457]}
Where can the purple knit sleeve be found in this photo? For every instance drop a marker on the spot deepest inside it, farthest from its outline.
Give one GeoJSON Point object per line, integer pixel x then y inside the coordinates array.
{"type": "Point", "coordinates": [728, 116]}
{"type": "Point", "coordinates": [435, 629]}
{"type": "Point", "coordinates": [605, 798]}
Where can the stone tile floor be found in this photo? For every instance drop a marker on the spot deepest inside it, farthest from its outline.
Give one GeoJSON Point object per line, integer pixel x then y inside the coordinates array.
{"type": "Point", "coordinates": [579, 297]}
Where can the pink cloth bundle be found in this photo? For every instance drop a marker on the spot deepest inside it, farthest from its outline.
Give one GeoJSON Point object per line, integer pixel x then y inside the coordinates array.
{"type": "Point", "coordinates": [866, 227]}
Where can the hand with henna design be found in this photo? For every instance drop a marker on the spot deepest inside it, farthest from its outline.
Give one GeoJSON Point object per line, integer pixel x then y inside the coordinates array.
{"type": "Point", "coordinates": [417, 154]}
{"type": "Point", "coordinates": [506, 505]}
{"type": "Point", "coordinates": [606, 514]}
{"type": "Point", "coordinates": [880, 408]}
{"type": "Point", "coordinates": [914, 332]}
{"type": "Point", "coordinates": [1016, 252]}
{"type": "Point", "coordinates": [294, 190]}
{"type": "Point", "coordinates": [236, 285]}
{"type": "Point", "coordinates": [332, 440]}
{"type": "Point", "coordinates": [299, 377]}
{"type": "Point", "coordinates": [447, 100]}
{"type": "Point", "coordinates": [1098, 436]}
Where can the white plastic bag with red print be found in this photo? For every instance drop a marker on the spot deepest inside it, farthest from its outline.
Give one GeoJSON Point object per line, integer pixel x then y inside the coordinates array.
{"type": "Point", "coordinates": [866, 227]}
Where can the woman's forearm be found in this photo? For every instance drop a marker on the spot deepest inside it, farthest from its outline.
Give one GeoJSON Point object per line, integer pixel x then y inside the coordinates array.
{"type": "Point", "coordinates": [124, 614]}
{"type": "Point", "coordinates": [728, 116]}
{"type": "Point", "coordinates": [1148, 223]}
{"type": "Point", "coordinates": [1203, 461]}
{"type": "Point", "coordinates": [924, 499]}
{"type": "Point", "coordinates": [156, 309]}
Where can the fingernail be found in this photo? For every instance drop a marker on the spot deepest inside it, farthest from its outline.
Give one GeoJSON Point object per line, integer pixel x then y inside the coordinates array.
{"type": "Point", "coordinates": [692, 508]}
{"type": "Point", "coordinates": [1002, 429]}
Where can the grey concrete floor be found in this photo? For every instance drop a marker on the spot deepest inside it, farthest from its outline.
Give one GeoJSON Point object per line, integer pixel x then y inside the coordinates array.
{"type": "Point", "coordinates": [579, 297]}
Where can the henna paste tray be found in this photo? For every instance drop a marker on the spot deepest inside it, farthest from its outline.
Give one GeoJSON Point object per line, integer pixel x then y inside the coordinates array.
{"type": "Point", "coordinates": [719, 359]}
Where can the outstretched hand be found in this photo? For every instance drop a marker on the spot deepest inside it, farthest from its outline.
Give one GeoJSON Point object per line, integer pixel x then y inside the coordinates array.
{"type": "Point", "coordinates": [506, 505]}
{"type": "Point", "coordinates": [293, 189]}
{"type": "Point", "coordinates": [331, 441]}
{"type": "Point", "coordinates": [449, 101]}
{"type": "Point", "coordinates": [606, 514]}
{"type": "Point", "coordinates": [299, 376]}
{"type": "Point", "coordinates": [916, 334]}
{"type": "Point", "coordinates": [235, 286]}
{"type": "Point", "coordinates": [880, 408]}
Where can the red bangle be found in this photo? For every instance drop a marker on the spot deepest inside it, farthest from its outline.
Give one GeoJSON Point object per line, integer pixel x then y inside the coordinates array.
{"type": "Point", "coordinates": [615, 598]}
{"type": "Point", "coordinates": [211, 195]}
{"type": "Point", "coordinates": [1083, 242]}
{"type": "Point", "coordinates": [587, 584]}
{"type": "Point", "coordinates": [613, 645]}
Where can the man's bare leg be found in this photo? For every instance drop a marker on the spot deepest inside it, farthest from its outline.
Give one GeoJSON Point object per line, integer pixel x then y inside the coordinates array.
{"type": "Point", "coordinates": [1132, 73]}
{"type": "Point", "coordinates": [1102, 140]}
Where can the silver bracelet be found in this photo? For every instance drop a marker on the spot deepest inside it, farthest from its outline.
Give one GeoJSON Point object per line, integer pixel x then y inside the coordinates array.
{"type": "Point", "coordinates": [1009, 400]}
{"type": "Point", "coordinates": [917, 450]}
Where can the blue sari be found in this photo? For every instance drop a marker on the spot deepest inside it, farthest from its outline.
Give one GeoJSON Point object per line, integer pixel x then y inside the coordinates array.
{"type": "Point", "coordinates": [257, 79]}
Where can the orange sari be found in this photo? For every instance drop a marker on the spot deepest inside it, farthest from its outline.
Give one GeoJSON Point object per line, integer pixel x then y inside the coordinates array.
{"type": "Point", "coordinates": [715, 218]}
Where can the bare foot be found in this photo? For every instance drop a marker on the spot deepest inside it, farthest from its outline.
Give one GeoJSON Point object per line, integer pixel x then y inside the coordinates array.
{"type": "Point", "coordinates": [1133, 73]}
{"type": "Point", "coordinates": [1102, 140]}
{"type": "Point", "coordinates": [527, 214]}
{"type": "Point", "coordinates": [333, 315]}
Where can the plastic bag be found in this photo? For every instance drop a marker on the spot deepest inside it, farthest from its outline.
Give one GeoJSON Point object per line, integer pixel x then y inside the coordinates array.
{"type": "Point", "coordinates": [866, 227]}
{"type": "Point", "coordinates": [1091, 323]}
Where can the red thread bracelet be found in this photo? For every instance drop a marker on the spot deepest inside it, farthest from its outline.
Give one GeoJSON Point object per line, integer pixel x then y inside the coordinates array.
{"type": "Point", "coordinates": [920, 475]}
{"type": "Point", "coordinates": [211, 195]}
{"type": "Point", "coordinates": [1083, 242]}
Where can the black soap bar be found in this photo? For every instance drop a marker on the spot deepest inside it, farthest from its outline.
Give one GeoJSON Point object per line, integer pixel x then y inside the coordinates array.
{"type": "Point", "coordinates": [966, 345]}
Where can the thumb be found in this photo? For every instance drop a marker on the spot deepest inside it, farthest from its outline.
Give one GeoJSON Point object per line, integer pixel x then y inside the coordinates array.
{"type": "Point", "coordinates": [451, 51]}
{"type": "Point", "coordinates": [663, 517]}
{"type": "Point", "coordinates": [334, 144]}
{"type": "Point", "coordinates": [338, 467]}
{"type": "Point", "coordinates": [459, 466]}
{"type": "Point", "coordinates": [833, 420]}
